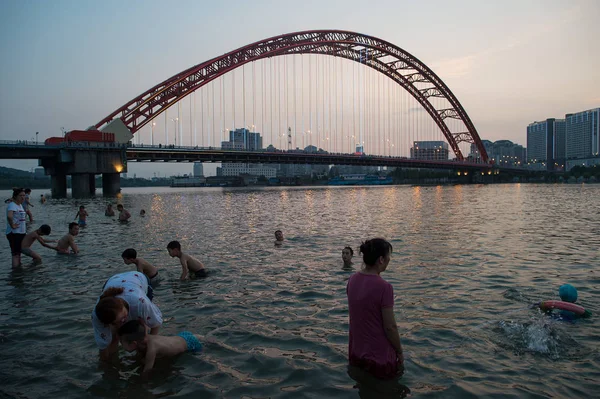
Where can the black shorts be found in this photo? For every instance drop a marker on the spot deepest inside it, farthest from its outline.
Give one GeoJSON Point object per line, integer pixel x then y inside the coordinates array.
{"type": "Point", "coordinates": [15, 241]}
{"type": "Point", "coordinates": [201, 273]}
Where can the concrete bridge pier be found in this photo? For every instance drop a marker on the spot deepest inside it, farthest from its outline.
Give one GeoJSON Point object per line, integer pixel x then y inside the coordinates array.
{"type": "Point", "coordinates": [111, 184]}
{"type": "Point", "coordinates": [59, 185]}
{"type": "Point", "coordinates": [82, 185]}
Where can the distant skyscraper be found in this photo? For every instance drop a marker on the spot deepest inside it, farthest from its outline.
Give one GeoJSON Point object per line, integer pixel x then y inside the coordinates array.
{"type": "Point", "coordinates": [541, 140]}
{"type": "Point", "coordinates": [430, 150]}
{"type": "Point", "coordinates": [250, 140]}
{"type": "Point", "coordinates": [583, 134]}
{"type": "Point", "coordinates": [198, 169]}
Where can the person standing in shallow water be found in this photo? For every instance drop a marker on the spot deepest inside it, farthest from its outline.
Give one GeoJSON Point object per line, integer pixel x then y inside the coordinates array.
{"type": "Point", "coordinates": [374, 343]}
{"type": "Point", "coordinates": [16, 227]}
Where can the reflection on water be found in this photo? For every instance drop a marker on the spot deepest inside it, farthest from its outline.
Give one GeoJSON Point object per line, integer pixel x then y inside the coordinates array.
{"type": "Point", "coordinates": [468, 262]}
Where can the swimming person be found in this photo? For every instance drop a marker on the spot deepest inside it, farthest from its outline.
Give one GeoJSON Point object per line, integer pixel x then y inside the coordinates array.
{"type": "Point", "coordinates": [67, 244]}
{"type": "Point", "coordinates": [134, 337]}
{"type": "Point", "coordinates": [124, 214]}
{"type": "Point", "coordinates": [347, 254]}
{"type": "Point", "coordinates": [374, 344]}
{"type": "Point", "coordinates": [43, 199]}
{"type": "Point", "coordinates": [125, 296]}
{"type": "Point", "coordinates": [278, 237]}
{"type": "Point", "coordinates": [82, 214]}
{"type": "Point", "coordinates": [109, 210]}
{"type": "Point", "coordinates": [142, 213]}
{"type": "Point", "coordinates": [31, 238]}
{"type": "Point", "coordinates": [130, 257]}
{"type": "Point", "coordinates": [189, 264]}
{"type": "Point", "coordinates": [16, 226]}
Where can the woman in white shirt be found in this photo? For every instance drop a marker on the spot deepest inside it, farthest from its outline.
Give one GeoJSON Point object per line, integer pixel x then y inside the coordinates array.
{"type": "Point", "coordinates": [125, 296]}
{"type": "Point", "coordinates": [16, 226]}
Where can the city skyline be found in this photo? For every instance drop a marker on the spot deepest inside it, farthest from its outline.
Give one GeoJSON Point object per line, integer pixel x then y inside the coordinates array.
{"type": "Point", "coordinates": [68, 69]}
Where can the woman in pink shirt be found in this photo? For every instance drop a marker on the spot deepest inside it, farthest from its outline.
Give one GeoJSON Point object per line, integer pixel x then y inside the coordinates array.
{"type": "Point", "coordinates": [374, 344]}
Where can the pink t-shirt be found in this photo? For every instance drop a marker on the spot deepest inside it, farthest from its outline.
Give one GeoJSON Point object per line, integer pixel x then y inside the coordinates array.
{"type": "Point", "coordinates": [368, 346]}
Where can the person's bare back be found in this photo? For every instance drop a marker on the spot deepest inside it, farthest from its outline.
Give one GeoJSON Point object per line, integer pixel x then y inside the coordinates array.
{"type": "Point", "coordinates": [67, 242]}
{"type": "Point", "coordinates": [144, 267]}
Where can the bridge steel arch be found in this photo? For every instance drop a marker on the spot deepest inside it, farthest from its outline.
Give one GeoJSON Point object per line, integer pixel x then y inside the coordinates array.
{"type": "Point", "coordinates": [400, 66]}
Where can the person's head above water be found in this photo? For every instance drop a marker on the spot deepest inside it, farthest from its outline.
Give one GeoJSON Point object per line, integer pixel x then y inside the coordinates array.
{"type": "Point", "coordinates": [376, 253]}
{"type": "Point", "coordinates": [567, 293]}
{"type": "Point", "coordinates": [347, 254]}
{"type": "Point", "coordinates": [174, 248]}
{"type": "Point", "coordinates": [278, 235]}
{"type": "Point", "coordinates": [129, 255]}
{"type": "Point", "coordinates": [73, 228]}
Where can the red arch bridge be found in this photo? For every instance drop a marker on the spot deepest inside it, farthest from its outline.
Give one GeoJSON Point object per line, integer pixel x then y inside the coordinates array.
{"type": "Point", "coordinates": [325, 96]}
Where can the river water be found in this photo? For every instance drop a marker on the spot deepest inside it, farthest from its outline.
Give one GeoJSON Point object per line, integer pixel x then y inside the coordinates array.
{"type": "Point", "coordinates": [467, 263]}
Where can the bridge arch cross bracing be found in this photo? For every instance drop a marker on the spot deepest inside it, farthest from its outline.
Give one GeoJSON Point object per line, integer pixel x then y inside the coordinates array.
{"type": "Point", "coordinates": [398, 65]}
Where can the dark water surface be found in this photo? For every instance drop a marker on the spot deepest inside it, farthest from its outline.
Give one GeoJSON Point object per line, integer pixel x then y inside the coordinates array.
{"type": "Point", "coordinates": [467, 263]}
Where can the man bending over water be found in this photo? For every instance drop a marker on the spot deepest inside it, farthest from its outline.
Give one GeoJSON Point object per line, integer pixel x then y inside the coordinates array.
{"type": "Point", "coordinates": [67, 244]}
{"type": "Point", "coordinates": [189, 264]}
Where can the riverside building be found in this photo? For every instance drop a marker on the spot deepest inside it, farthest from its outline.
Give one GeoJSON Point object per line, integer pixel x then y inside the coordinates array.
{"type": "Point", "coordinates": [542, 143]}
{"type": "Point", "coordinates": [583, 138]}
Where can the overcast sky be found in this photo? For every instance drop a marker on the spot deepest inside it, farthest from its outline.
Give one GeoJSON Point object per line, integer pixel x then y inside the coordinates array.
{"type": "Point", "coordinates": [70, 63]}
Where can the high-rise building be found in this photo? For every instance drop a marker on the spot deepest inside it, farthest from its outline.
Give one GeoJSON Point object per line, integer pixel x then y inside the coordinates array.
{"type": "Point", "coordinates": [198, 169]}
{"type": "Point", "coordinates": [541, 139]}
{"type": "Point", "coordinates": [430, 150]}
{"type": "Point", "coordinates": [250, 140]}
{"type": "Point", "coordinates": [583, 134]}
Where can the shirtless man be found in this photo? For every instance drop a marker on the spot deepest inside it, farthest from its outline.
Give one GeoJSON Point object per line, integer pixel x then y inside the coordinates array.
{"type": "Point", "coordinates": [124, 214]}
{"type": "Point", "coordinates": [130, 257]}
{"type": "Point", "coordinates": [189, 264]}
{"type": "Point", "coordinates": [68, 240]}
{"type": "Point", "coordinates": [31, 238]}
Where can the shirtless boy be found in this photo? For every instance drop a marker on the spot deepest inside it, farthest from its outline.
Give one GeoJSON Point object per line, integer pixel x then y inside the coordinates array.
{"type": "Point", "coordinates": [189, 264]}
{"type": "Point", "coordinates": [31, 238]}
{"type": "Point", "coordinates": [134, 337]}
{"type": "Point", "coordinates": [82, 214]}
{"type": "Point", "coordinates": [124, 214]}
{"type": "Point", "coordinates": [130, 257]}
{"type": "Point", "coordinates": [68, 240]}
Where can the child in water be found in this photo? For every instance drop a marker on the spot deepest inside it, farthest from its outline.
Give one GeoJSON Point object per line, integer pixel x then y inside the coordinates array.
{"type": "Point", "coordinates": [130, 257]}
{"type": "Point", "coordinates": [278, 237]}
{"type": "Point", "coordinates": [67, 244]}
{"type": "Point", "coordinates": [31, 238]}
{"type": "Point", "coordinates": [82, 214]}
{"type": "Point", "coordinates": [134, 337]}
{"type": "Point", "coordinates": [189, 264]}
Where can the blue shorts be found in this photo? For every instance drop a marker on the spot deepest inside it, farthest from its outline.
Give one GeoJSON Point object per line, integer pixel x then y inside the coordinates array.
{"type": "Point", "coordinates": [81, 222]}
{"type": "Point", "coordinates": [193, 345]}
